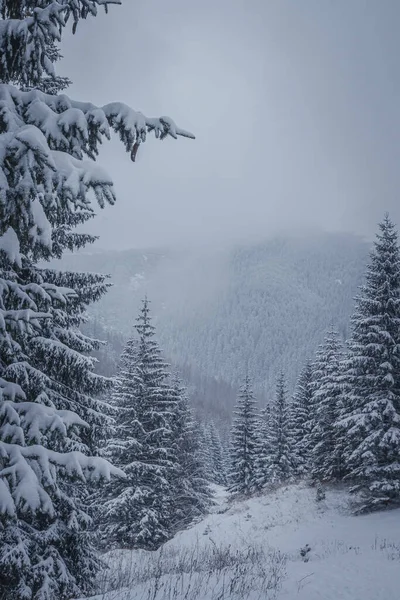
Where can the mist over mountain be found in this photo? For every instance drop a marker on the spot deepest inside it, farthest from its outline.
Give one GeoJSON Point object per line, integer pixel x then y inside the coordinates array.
{"type": "Point", "coordinates": [220, 313]}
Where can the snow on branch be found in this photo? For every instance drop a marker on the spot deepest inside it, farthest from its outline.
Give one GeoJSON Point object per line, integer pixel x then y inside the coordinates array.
{"type": "Point", "coordinates": [10, 391]}
{"type": "Point", "coordinates": [26, 462]}
{"type": "Point", "coordinates": [29, 35]}
{"type": "Point", "coordinates": [78, 127]}
{"type": "Point", "coordinates": [29, 422]}
{"type": "Point", "coordinates": [43, 142]}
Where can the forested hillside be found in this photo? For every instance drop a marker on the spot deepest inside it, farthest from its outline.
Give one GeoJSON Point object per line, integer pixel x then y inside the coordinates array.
{"type": "Point", "coordinates": [221, 312]}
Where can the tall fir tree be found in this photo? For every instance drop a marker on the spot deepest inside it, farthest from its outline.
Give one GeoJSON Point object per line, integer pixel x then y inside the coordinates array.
{"type": "Point", "coordinates": [327, 462]}
{"type": "Point", "coordinates": [140, 509]}
{"type": "Point", "coordinates": [370, 419]}
{"type": "Point", "coordinates": [265, 451]}
{"type": "Point", "coordinates": [206, 451]}
{"type": "Point", "coordinates": [302, 420]}
{"type": "Point", "coordinates": [244, 443]}
{"type": "Point", "coordinates": [281, 464]}
{"type": "Point", "coordinates": [218, 460]}
{"type": "Point", "coordinates": [48, 411]}
{"type": "Point", "coordinates": [192, 494]}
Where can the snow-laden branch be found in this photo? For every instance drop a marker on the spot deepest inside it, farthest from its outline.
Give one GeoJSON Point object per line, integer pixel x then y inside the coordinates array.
{"type": "Point", "coordinates": [34, 32]}
{"type": "Point", "coordinates": [44, 140]}
{"type": "Point", "coordinates": [78, 127]}
{"type": "Point", "coordinates": [31, 472]}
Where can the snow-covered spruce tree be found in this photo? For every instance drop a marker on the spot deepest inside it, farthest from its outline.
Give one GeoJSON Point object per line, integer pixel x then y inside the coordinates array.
{"type": "Point", "coordinates": [325, 449]}
{"type": "Point", "coordinates": [47, 412]}
{"type": "Point", "coordinates": [139, 512]}
{"type": "Point", "coordinates": [264, 454]}
{"type": "Point", "coordinates": [191, 491]}
{"type": "Point", "coordinates": [244, 443]}
{"type": "Point", "coordinates": [219, 475]}
{"type": "Point", "coordinates": [281, 464]}
{"type": "Point", "coordinates": [301, 420]}
{"type": "Point", "coordinates": [371, 414]}
{"type": "Point", "coordinates": [206, 451]}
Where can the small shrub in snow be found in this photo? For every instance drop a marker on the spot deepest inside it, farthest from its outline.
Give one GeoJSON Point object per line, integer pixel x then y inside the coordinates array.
{"type": "Point", "coordinates": [305, 553]}
{"type": "Point", "coordinates": [320, 495]}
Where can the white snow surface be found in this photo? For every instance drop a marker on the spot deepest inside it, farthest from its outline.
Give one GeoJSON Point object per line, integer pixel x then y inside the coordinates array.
{"type": "Point", "coordinates": [9, 243]}
{"type": "Point", "coordinates": [351, 557]}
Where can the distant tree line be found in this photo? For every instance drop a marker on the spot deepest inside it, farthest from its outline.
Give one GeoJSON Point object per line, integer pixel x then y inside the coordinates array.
{"type": "Point", "coordinates": [343, 422]}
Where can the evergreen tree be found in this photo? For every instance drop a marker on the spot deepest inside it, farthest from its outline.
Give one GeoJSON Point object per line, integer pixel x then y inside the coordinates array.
{"type": "Point", "coordinates": [48, 414]}
{"type": "Point", "coordinates": [371, 414]}
{"type": "Point", "coordinates": [325, 446]}
{"type": "Point", "coordinates": [192, 495]}
{"type": "Point", "coordinates": [219, 475]}
{"type": "Point", "coordinates": [244, 442]}
{"type": "Point", "coordinates": [301, 420]}
{"type": "Point", "coordinates": [140, 510]}
{"type": "Point", "coordinates": [265, 451]}
{"type": "Point", "coordinates": [205, 447]}
{"type": "Point", "coordinates": [281, 464]}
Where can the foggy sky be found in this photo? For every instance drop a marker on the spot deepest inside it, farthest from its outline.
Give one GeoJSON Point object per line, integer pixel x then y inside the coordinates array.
{"type": "Point", "coordinates": [295, 106]}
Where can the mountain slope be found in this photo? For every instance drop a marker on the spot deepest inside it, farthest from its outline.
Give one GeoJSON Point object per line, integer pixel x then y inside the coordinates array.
{"type": "Point", "coordinates": [223, 311]}
{"type": "Point", "coordinates": [351, 558]}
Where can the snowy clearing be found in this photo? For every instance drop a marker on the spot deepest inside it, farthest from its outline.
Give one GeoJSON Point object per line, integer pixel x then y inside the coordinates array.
{"type": "Point", "coordinates": [252, 550]}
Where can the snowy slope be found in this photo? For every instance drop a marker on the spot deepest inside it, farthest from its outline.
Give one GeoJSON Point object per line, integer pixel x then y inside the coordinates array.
{"type": "Point", "coordinates": [351, 558]}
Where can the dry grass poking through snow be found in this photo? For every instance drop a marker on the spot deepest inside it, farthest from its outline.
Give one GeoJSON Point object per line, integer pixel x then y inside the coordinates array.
{"type": "Point", "coordinates": [280, 546]}
{"type": "Point", "coordinates": [196, 573]}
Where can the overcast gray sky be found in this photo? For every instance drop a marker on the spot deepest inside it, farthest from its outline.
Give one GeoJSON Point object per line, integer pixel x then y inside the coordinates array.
{"type": "Point", "coordinates": [295, 105]}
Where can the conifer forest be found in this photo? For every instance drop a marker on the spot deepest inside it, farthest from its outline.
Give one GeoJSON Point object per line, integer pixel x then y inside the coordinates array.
{"type": "Point", "coordinates": [199, 339]}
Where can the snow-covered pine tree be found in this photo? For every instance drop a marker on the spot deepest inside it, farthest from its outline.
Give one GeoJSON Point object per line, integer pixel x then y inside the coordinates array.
{"type": "Point", "coordinates": [192, 494]}
{"type": "Point", "coordinates": [301, 420]}
{"type": "Point", "coordinates": [371, 415]}
{"type": "Point", "coordinates": [219, 475]}
{"type": "Point", "coordinates": [265, 452]}
{"type": "Point", "coordinates": [47, 385]}
{"type": "Point", "coordinates": [206, 451]}
{"type": "Point", "coordinates": [139, 512]}
{"type": "Point", "coordinates": [244, 442]}
{"type": "Point", "coordinates": [281, 464]}
{"type": "Point", "coordinates": [266, 414]}
{"type": "Point", "coordinates": [327, 397]}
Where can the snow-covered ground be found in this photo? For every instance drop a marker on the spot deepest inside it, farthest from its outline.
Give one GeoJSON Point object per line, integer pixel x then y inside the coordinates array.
{"type": "Point", "coordinates": [252, 550]}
